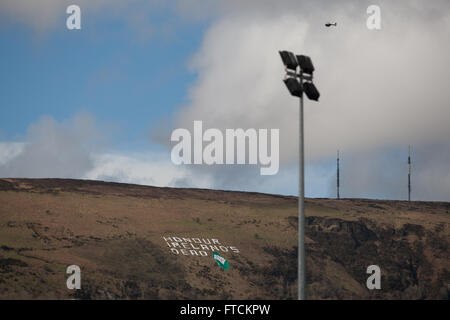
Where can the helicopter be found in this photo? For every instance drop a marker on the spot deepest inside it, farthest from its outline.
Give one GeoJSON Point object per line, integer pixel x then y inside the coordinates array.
{"type": "Point", "coordinates": [329, 24]}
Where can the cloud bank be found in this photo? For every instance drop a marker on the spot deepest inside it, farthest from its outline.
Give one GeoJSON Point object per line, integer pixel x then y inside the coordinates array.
{"type": "Point", "coordinates": [76, 148]}
{"type": "Point", "coordinates": [381, 90]}
{"type": "Point", "coordinates": [52, 149]}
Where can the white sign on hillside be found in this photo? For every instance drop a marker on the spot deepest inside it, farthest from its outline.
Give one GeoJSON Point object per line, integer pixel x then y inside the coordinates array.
{"type": "Point", "coordinates": [197, 246]}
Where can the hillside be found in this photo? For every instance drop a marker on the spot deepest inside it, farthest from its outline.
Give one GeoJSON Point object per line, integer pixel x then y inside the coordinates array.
{"type": "Point", "coordinates": [122, 237]}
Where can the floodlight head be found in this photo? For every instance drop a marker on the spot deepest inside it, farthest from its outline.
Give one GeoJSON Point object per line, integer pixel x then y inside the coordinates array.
{"type": "Point", "coordinates": [294, 87]}
{"type": "Point", "coordinates": [311, 91]}
{"type": "Point", "coordinates": [305, 64]}
{"type": "Point", "coordinates": [289, 59]}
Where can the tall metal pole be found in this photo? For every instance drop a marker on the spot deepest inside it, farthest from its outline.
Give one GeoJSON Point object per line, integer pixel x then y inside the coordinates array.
{"type": "Point", "coordinates": [337, 175]}
{"type": "Point", "coordinates": [409, 173]}
{"type": "Point", "coordinates": [296, 88]}
{"type": "Point", "coordinates": [301, 208]}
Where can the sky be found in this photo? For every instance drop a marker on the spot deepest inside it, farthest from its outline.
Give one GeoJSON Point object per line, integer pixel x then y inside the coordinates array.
{"type": "Point", "coordinates": [101, 102]}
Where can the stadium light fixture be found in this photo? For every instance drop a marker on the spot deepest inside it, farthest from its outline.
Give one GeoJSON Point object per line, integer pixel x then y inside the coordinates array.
{"type": "Point", "coordinates": [289, 59]}
{"type": "Point", "coordinates": [311, 91]}
{"type": "Point", "coordinates": [305, 64]}
{"type": "Point", "coordinates": [294, 87]}
{"type": "Point", "coordinates": [299, 79]}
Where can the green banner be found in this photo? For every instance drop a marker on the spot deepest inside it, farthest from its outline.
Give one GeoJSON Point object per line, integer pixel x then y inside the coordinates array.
{"type": "Point", "coordinates": [221, 261]}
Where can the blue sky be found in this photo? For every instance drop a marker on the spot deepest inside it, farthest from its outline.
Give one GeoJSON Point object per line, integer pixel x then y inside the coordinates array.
{"type": "Point", "coordinates": [121, 79]}
{"type": "Point", "coordinates": [138, 69]}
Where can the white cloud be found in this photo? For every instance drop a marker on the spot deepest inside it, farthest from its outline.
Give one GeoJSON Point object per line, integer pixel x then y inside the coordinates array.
{"type": "Point", "coordinates": [144, 168]}
{"type": "Point", "coordinates": [44, 16]}
{"type": "Point", "coordinates": [381, 90]}
{"type": "Point", "coordinates": [53, 149]}
{"type": "Point", "coordinates": [10, 150]}
{"type": "Point", "coordinates": [74, 148]}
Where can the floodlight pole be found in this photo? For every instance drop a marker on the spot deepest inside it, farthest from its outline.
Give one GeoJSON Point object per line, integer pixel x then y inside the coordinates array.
{"type": "Point", "coordinates": [337, 176]}
{"type": "Point", "coordinates": [409, 173]}
{"type": "Point", "coordinates": [305, 76]}
{"type": "Point", "coordinates": [301, 204]}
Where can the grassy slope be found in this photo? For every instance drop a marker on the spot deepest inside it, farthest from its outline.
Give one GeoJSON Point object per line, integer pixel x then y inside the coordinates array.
{"type": "Point", "coordinates": [114, 233]}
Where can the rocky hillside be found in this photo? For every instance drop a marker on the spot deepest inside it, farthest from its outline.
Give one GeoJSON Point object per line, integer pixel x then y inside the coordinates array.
{"type": "Point", "coordinates": [138, 242]}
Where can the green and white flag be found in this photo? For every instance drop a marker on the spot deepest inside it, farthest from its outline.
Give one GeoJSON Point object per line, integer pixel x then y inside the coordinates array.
{"type": "Point", "coordinates": [221, 261]}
